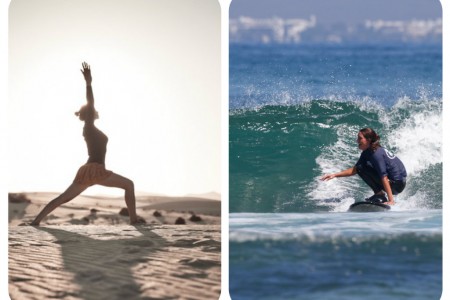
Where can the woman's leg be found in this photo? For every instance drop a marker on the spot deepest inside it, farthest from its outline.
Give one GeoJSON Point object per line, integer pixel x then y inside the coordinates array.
{"type": "Point", "coordinates": [115, 180]}
{"type": "Point", "coordinates": [72, 191]}
{"type": "Point", "coordinates": [397, 187]}
{"type": "Point", "coordinates": [370, 177]}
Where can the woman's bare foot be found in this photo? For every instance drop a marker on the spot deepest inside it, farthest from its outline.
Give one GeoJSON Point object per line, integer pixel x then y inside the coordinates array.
{"type": "Point", "coordinates": [138, 220]}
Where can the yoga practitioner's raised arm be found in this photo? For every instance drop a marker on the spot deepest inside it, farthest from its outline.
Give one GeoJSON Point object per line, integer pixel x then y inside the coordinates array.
{"type": "Point", "coordinates": [86, 71]}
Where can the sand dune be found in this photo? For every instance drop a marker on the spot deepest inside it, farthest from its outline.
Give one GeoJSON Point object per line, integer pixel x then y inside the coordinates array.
{"type": "Point", "coordinates": [105, 210]}
{"type": "Point", "coordinates": [108, 259]}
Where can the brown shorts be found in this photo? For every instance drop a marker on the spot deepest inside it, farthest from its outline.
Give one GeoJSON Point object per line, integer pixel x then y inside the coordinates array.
{"type": "Point", "coordinates": [91, 173]}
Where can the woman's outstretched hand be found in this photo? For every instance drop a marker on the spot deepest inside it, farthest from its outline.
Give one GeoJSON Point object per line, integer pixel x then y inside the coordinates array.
{"type": "Point", "coordinates": [86, 73]}
{"type": "Point", "coordinates": [327, 177]}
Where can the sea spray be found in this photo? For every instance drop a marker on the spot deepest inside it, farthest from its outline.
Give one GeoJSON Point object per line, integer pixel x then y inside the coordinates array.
{"type": "Point", "coordinates": [278, 153]}
{"type": "Point", "coordinates": [295, 113]}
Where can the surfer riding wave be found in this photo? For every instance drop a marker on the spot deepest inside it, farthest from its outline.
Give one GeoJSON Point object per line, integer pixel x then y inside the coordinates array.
{"type": "Point", "coordinates": [382, 171]}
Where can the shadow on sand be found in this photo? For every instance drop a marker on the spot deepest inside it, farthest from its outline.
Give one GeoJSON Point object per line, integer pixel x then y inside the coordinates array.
{"type": "Point", "coordinates": [103, 266]}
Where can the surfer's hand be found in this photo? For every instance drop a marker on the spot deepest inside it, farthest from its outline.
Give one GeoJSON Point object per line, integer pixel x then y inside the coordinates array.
{"type": "Point", "coordinates": [390, 203]}
{"type": "Point", "coordinates": [327, 177]}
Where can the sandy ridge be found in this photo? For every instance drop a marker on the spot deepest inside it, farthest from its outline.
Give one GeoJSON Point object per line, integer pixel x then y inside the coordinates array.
{"type": "Point", "coordinates": [85, 249]}
{"type": "Point", "coordinates": [114, 262]}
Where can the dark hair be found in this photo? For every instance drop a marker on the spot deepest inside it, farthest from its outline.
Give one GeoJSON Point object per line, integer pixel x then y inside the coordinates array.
{"type": "Point", "coordinates": [370, 135]}
{"type": "Point", "coordinates": [87, 112]}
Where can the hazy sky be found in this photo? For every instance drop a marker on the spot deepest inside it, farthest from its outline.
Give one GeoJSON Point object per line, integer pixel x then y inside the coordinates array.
{"type": "Point", "coordinates": [337, 11]}
{"type": "Point", "coordinates": [156, 68]}
{"type": "Point", "coordinates": [156, 82]}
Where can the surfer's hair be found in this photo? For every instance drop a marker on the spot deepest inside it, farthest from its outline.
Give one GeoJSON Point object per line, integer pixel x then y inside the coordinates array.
{"type": "Point", "coordinates": [370, 135]}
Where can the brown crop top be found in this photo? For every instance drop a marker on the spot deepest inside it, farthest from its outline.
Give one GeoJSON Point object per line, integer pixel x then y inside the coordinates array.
{"type": "Point", "coordinates": [96, 142]}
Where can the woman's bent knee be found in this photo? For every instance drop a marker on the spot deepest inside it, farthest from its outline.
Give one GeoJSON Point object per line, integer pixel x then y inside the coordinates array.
{"type": "Point", "coordinates": [118, 181]}
{"type": "Point", "coordinates": [129, 185]}
{"type": "Point", "coordinates": [126, 184]}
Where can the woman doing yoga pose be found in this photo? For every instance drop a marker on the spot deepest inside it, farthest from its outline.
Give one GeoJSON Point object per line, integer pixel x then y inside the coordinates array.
{"type": "Point", "coordinates": [94, 171]}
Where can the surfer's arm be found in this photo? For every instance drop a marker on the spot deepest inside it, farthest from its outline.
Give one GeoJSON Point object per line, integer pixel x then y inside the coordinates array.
{"type": "Point", "coordinates": [388, 190]}
{"type": "Point", "coordinates": [349, 172]}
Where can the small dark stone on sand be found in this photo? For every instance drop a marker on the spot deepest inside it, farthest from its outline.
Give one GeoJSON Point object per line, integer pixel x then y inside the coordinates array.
{"type": "Point", "coordinates": [124, 212]}
{"type": "Point", "coordinates": [195, 218]}
{"type": "Point", "coordinates": [180, 220]}
{"type": "Point", "coordinates": [18, 198]}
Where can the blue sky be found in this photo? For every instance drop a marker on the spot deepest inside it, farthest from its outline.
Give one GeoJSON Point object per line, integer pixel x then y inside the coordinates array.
{"type": "Point", "coordinates": [338, 11]}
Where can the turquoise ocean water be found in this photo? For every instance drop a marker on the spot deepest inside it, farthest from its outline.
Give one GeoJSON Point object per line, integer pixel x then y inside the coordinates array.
{"type": "Point", "coordinates": [295, 112]}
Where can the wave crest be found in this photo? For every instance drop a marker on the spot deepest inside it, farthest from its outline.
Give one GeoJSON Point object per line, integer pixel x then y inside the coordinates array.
{"type": "Point", "coordinates": [279, 152]}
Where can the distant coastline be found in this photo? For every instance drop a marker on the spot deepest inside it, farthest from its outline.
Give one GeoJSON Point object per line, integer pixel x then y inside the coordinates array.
{"type": "Point", "coordinates": [276, 30]}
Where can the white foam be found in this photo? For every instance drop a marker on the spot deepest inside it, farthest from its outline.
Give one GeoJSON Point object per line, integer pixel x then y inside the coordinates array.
{"type": "Point", "coordinates": [335, 158]}
{"type": "Point", "coordinates": [416, 140]}
{"type": "Point", "coordinates": [325, 226]}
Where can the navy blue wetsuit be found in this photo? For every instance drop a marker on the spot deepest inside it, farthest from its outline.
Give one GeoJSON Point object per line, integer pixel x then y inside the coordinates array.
{"type": "Point", "coordinates": [372, 166]}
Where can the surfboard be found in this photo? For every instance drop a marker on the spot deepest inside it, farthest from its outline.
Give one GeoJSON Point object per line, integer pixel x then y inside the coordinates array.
{"type": "Point", "coordinates": [365, 206]}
